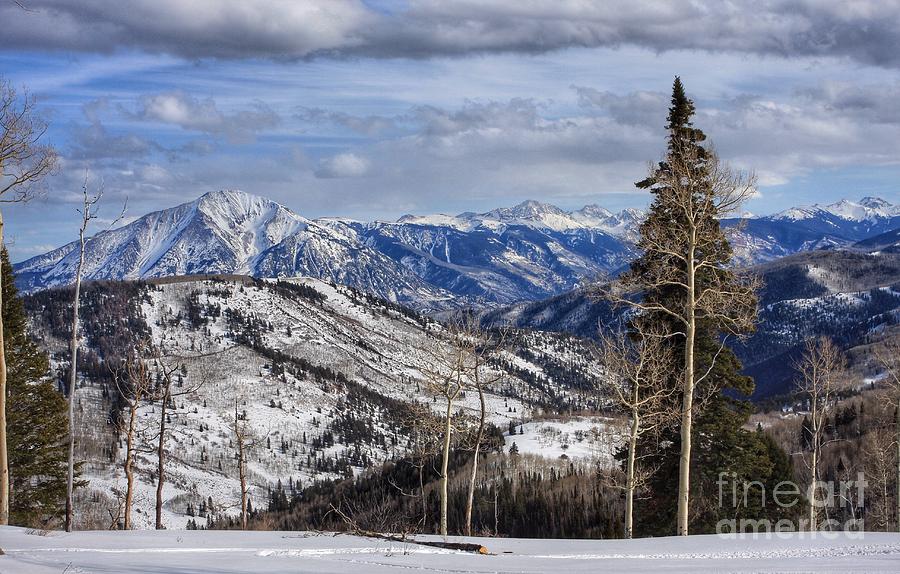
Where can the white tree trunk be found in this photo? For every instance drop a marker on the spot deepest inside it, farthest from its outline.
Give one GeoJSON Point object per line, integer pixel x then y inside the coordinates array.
{"type": "Point", "coordinates": [161, 458]}
{"type": "Point", "coordinates": [814, 467]}
{"type": "Point", "coordinates": [898, 464]}
{"type": "Point", "coordinates": [629, 476]}
{"type": "Point", "coordinates": [73, 376]}
{"type": "Point", "coordinates": [129, 464]}
{"type": "Point", "coordinates": [684, 470]}
{"type": "Point", "coordinates": [445, 462]}
{"type": "Point", "coordinates": [242, 473]}
{"type": "Point", "coordinates": [478, 438]}
{"type": "Point", "coordinates": [4, 456]}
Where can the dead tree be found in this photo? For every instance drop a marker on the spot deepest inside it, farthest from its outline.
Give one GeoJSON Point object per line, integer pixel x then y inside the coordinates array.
{"type": "Point", "coordinates": [88, 212]}
{"type": "Point", "coordinates": [24, 163]}
{"type": "Point", "coordinates": [166, 368]}
{"type": "Point", "coordinates": [477, 346]}
{"type": "Point", "coordinates": [445, 379]}
{"type": "Point", "coordinates": [879, 464]}
{"type": "Point", "coordinates": [683, 277]}
{"type": "Point", "coordinates": [242, 446]}
{"type": "Point", "coordinates": [821, 372]}
{"type": "Point", "coordinates": [134, 386]}
{"type": "Point", "coordinates": [889, 357]}
{"type": "Point", "coordinates": [636, 368]}
{"type": "Point", "coordinates": [423, 427]}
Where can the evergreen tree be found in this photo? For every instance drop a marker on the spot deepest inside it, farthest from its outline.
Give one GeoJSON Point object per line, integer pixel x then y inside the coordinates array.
{"type": "Point", "coordinates": [687, 284]}
{"type": "Point", "coordinates": [37, 420]}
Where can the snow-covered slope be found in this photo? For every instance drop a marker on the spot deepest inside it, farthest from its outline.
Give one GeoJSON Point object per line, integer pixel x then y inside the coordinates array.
{"type": "Point", "coordinates": [321, 374]}
{"type": "Point", "coordinates": [206, 552]}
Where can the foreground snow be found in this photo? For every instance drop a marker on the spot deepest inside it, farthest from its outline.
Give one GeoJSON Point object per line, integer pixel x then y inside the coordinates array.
{"type": "Point", "coordinates": [199, 552]}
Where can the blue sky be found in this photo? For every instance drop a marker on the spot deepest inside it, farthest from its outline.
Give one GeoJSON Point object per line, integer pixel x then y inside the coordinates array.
{"type": "Point", "coordinates": [376, 109]}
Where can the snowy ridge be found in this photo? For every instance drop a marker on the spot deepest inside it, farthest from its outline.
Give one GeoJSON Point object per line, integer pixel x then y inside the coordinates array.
{"type": "Point", "coordinates": [527, 252]}
{"type": "Point", "coordinates": [866, 209]}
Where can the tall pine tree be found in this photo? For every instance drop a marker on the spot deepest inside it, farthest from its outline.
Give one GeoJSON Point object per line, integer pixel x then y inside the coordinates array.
{"type": "Point", "coordinates": [687, 284]}
{"type": "Point", "coordinates": [37, 422]}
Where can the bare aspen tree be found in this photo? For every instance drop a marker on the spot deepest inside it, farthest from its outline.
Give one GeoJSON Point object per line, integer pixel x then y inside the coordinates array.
{"type": "Point", "coordinates": [242, 445]}
{"type": "Point", "coordinates": [636, 368]}
{"type": "Point", "coordinates": [167, 367]}
{"type": "Point", "coordinates": [88, 213]}
{"type": "Point", "coordinates": [821, 373]}
{"type": "Point", "coordinates": [477, 345]}
{"type": "Point", "coordinates": [24, 163]}
{"type": "Point", "coordinates": [424, 427]}
{"type": "Point", "coordinates": [878, 460]}
{"type": "Point", "coordinates": [134, 386]}
{"type": "Point", "coordinates": [889, 357]}
{"type": "Point", "coordinates": [445, 379]}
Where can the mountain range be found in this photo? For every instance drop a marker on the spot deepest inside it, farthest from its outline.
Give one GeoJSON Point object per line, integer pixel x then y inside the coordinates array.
{"type": "Point", "coordinates": [527, 252]}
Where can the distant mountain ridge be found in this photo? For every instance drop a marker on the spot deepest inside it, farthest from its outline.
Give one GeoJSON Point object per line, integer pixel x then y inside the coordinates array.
{"type": "Point", "coordinates": [527, 252]}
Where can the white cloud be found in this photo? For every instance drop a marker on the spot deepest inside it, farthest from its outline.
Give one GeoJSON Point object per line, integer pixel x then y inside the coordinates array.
{"type": "Point", "coordinates": [343, 165]}
{"type": "Point", "coordinates": [193, 114]}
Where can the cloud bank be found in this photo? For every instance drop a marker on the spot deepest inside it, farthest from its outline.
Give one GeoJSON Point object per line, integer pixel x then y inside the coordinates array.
{"type": "Point", "coordinates": [861, 30]}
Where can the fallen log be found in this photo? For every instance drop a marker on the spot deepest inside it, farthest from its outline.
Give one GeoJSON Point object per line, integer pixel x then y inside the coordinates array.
{"type": "Point", "coordinates": [355, 529]}
{"type": "Point", "coordinates": [461, 546]}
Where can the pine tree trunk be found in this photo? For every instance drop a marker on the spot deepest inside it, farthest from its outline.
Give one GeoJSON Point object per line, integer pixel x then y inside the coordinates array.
{"type": "Point", "coordinates": [445, 462]}
{"type": "Point", "coordinates": [478, 438]}
{"type": "Point", "coordinates": [629, 477]}
{"type": "Point", "coordinates": [898, 464]}
{"type": "Point", "coordinates": [4, 456]}
{"type": "Point", "coordinates": [73, 374]}
{"type": "Point", "coordinates": [161, 460]}
{"type": "Point", "coordinates": [684, 470]}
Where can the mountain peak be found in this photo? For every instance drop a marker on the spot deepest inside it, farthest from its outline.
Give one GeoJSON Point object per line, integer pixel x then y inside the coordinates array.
{"type": "Point", "coordinates": [593, 210]}
{"type": "Point", "coordinates": [234, 200]}
{"type": "Point", "coordinates": [532, 208]}
{"type": "Point", "coordinates": [874, 202]}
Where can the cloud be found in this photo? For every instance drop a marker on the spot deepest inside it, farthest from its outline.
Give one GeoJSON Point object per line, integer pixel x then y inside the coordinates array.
{"type": "Point", "coordinates": [343, 165]}
{"type": "Point", "coordinates": [870, 103]}
{"type": "Point", "coordinates": [204, 116]}
{"type": "Point", "coordinates": [635, 108]}
{"type": "Point", "coordinates": [861, 30]}
{"type": "Point", "coordinates": [195, 29]}
{"type": "Point", "coordinates": [366, 125]}
{"type": "Point", "coordinates": [95, 142]}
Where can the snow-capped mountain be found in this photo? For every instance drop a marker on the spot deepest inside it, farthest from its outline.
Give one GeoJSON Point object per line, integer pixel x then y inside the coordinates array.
{"type": "Point", "coordinates": [871, 209]}
{"type": "Point", "coordinates": [537, 215]}
{"type": "Point", "coordinates": [530, 251]}
{"type": "Point", "coordinates": [811, 228]}
{"type": "Point", "coordinates": [231, 232]}
{"type": "Point", "coordinates": [527, 252]}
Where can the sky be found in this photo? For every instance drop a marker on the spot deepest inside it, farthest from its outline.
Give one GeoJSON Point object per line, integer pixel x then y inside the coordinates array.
{"type": "Point", "coordinates": [375, 109]}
